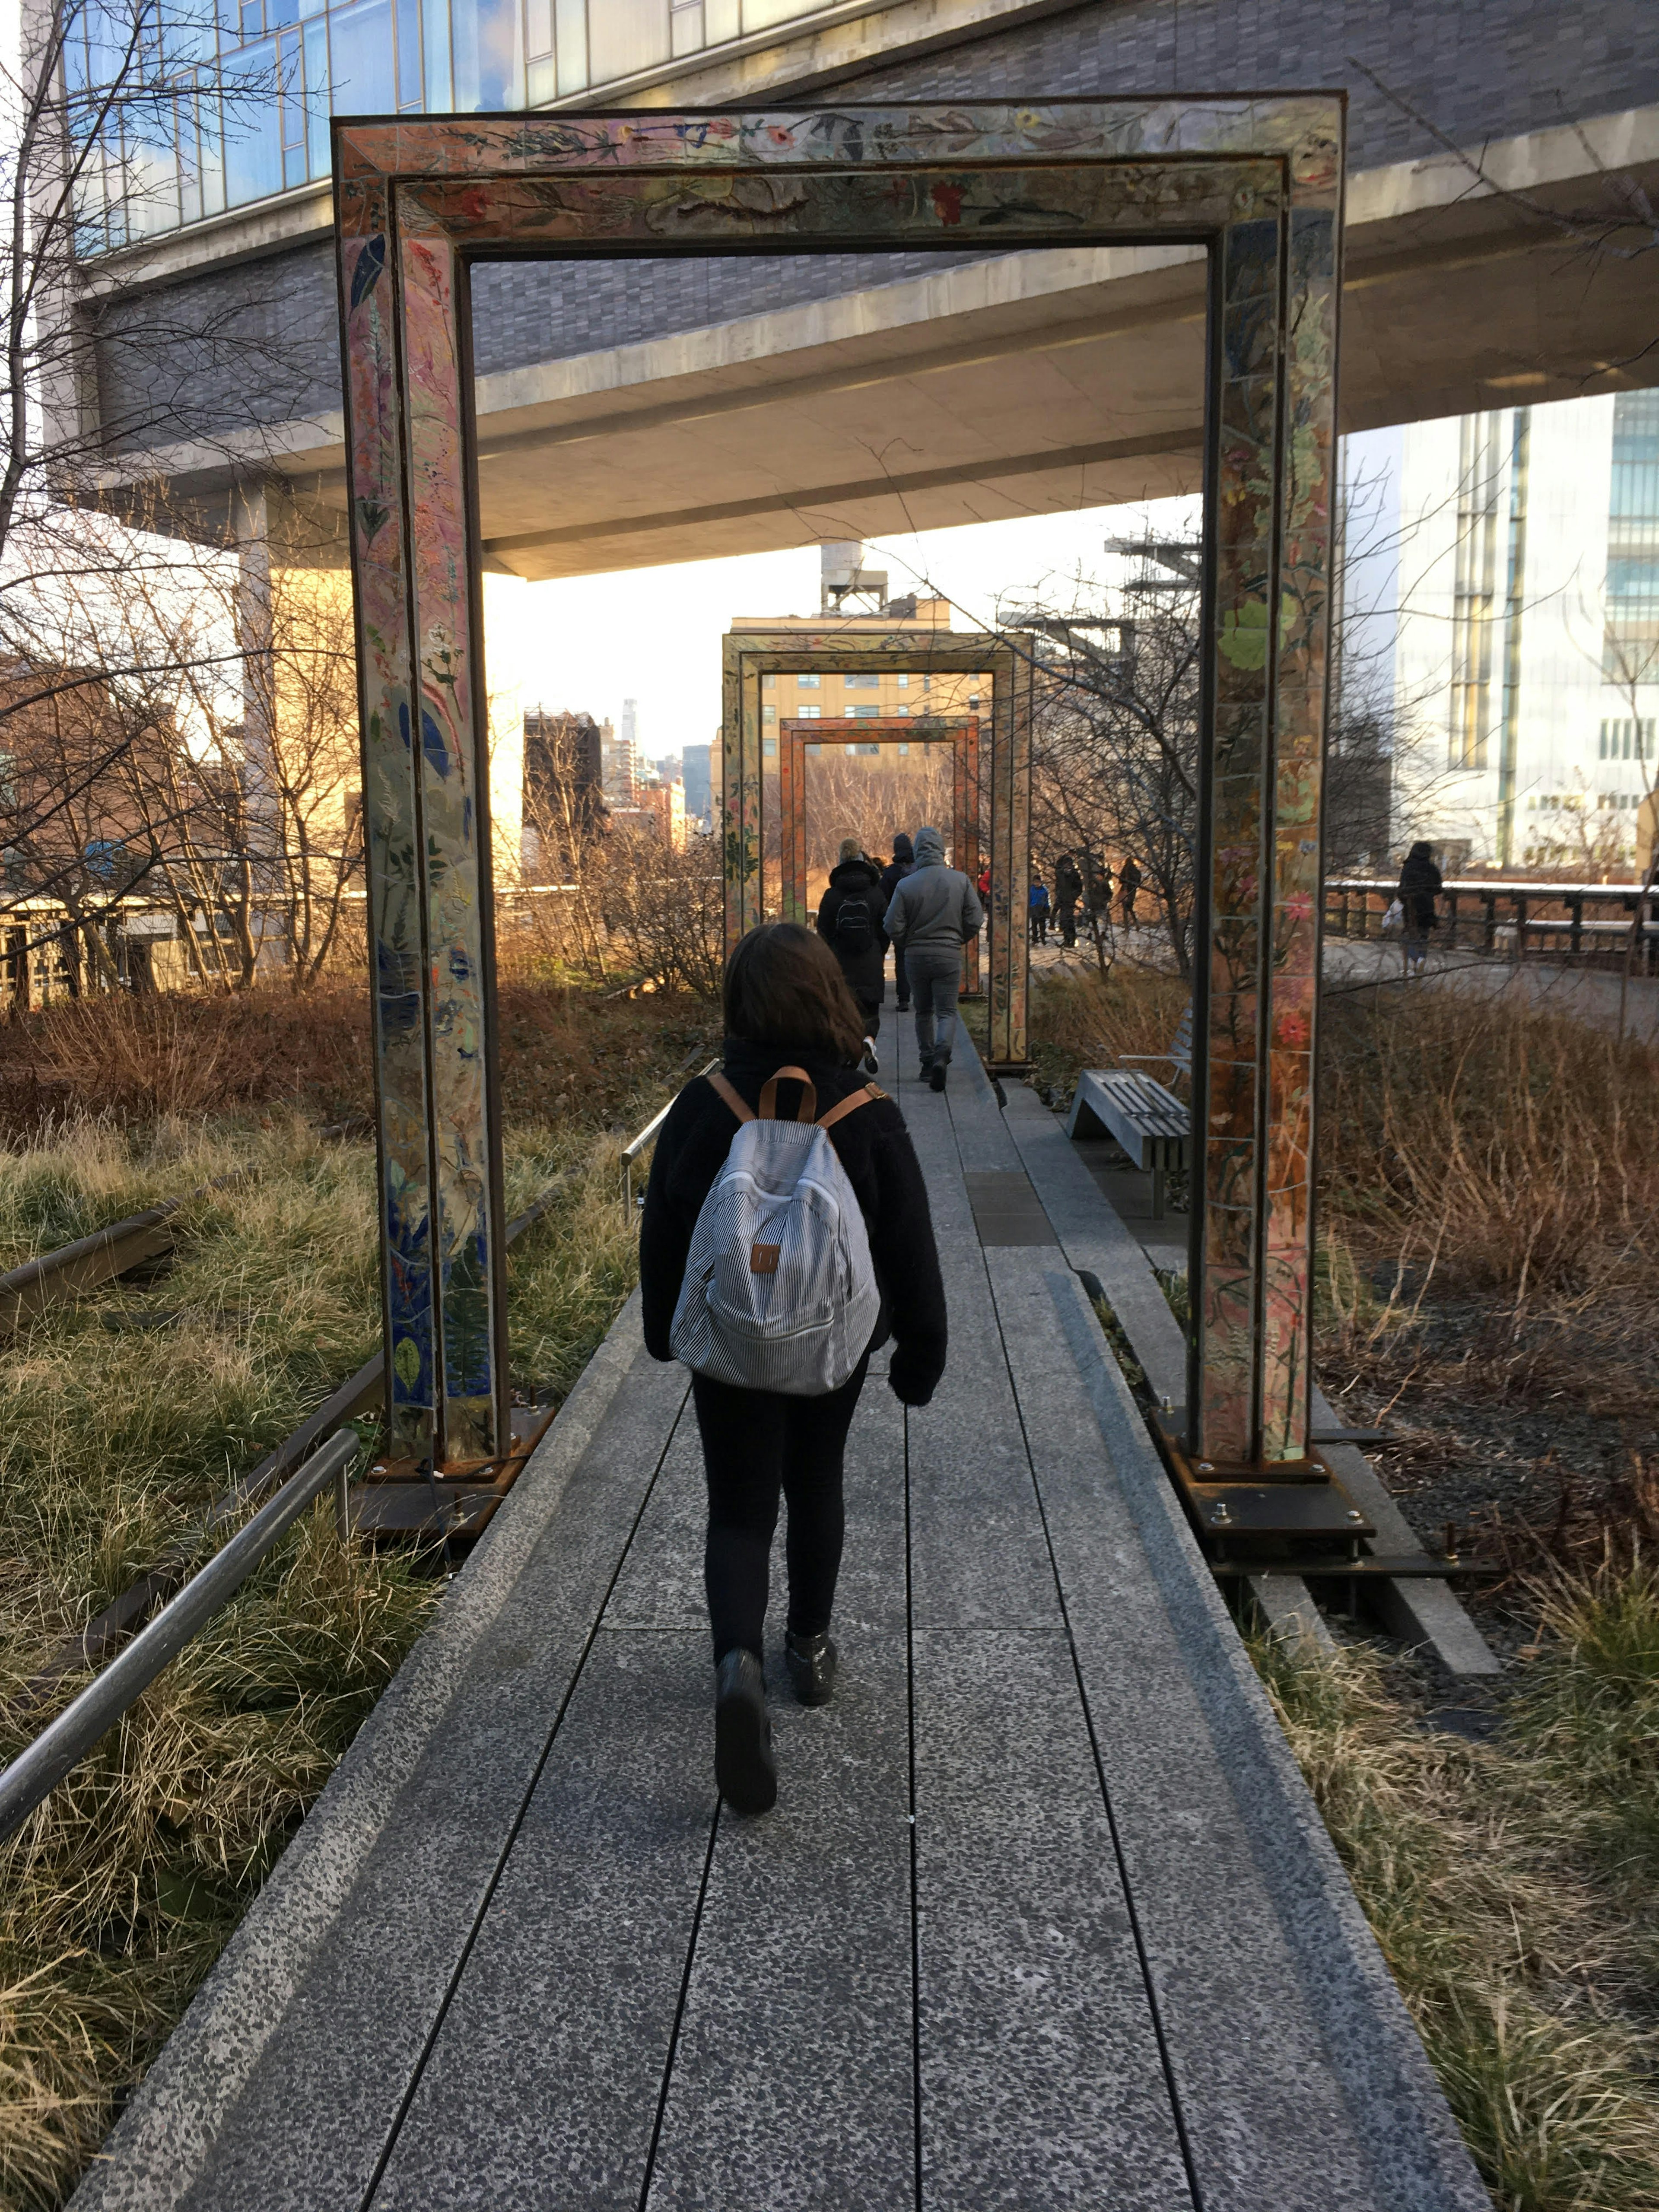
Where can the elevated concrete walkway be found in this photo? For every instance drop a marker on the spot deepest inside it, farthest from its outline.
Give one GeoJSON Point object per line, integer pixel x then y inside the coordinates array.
{"type": "Point", "coordinates": [1044, 1919]}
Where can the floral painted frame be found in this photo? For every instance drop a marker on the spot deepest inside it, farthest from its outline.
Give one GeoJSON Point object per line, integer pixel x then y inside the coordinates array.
{"type": "Point", "coordinates": [799, 736]}
{"type": "Point", "coordinates": [1257, 180]}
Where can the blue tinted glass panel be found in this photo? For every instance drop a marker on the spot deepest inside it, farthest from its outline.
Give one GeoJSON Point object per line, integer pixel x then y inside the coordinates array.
{"type": "Point", "coordinates": [359, 41]}
{"type": "Point", "coordinates": [254, 149]}
{"type": "Point", "coordinates": [408, 53]}
{"type": "Point", "coordinates": [434, 39]}
{"type": "Point", "coordinates": [498, 64]}
{"type": "Point", "coordinates": [317, 150]}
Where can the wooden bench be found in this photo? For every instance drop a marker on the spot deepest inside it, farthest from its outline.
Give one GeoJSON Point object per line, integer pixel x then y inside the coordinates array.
{"type": "Point", "coordinates": [1150, 1123]}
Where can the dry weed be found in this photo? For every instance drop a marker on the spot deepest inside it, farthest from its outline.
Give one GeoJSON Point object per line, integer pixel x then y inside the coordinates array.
{"type": "Point", "coordinates": [1504, 1892]}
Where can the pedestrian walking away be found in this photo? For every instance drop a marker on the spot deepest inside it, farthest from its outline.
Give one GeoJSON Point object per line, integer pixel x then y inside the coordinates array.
{"type": "Point", "coordinates": [903, 860]}
{"type": "Point", "coordinates": [1419, 887]}
{"type": "Point", "coordinates": [776, 1254]}
{"type": "Point", "coordinates": [1038, 904]}
{"type": "Point", "coordinates": [1128, 889]}
{"type": "Point", "coordinates": [935, 912]}
{"type": "Point", "coordinates": [1068, 889]}
{"type": "Point", "coordinates": [850, 923]}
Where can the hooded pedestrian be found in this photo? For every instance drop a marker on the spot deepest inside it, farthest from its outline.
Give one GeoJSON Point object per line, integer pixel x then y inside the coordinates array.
{"type": "Point", "coordinates": [792, 1043]}
{"type": "Point", "coordinates": [1419, 887]}
{"type": "Point", "coordinates": [850, 923]}
{"type": "Point", "coordinates": [1128, 889]}
{"type": "Point", "coordinates": [1068, 889]}
{"type": "Point", "coordinates": [903, 860]}
{"type": "Point", "coordinates": [935, 912]}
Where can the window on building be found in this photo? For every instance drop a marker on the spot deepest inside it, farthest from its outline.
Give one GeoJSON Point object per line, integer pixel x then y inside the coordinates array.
{"type": "Point", "coordinates": [1631, 644]}
{"type": "Point", "coordinates": [810, 714]}
{"type": "Point", "coordinates": [874, 751]}
{"type": "Point", "coordinates": [902, 681]}
{"type": "Point", "coordinates": [901, 710]}
{"type": "Point", "coordinates": [769, 748]}
{"type": "Point", "coordinates": [768, 684]}
{"type": "Point", "coordinates": [768, 713]}
{"type": "Point", "coordinates": [860, 713]}
{"type": "Point", "coordinates": [809, 683]}
{"type": "Point", "coordinates": [1473, 588]}
{"type": "Point", "coordinates": [860, 681]}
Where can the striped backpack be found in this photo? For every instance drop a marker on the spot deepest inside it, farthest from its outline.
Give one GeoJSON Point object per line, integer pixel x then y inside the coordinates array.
{"type": "Point", "coordinates": [780, 1292]}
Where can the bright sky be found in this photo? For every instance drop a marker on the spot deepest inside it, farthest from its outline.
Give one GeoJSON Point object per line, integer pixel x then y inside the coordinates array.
{"type": "Point", "coordinates": [653, 635]}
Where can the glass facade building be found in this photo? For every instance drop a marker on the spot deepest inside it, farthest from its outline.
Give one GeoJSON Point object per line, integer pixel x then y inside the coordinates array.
{"type": "Point", "coordinates": [257, 83]}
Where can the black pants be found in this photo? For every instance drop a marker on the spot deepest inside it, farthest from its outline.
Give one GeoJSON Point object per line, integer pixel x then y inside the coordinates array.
{"type": "Point", "coordinates": [871, 1009]}
{"type": "Point", "coordinates": [1067, 924]}
{"type": "Point", "coordinates": [901, 981]}
{"type": "Point", "coordinates": [755, 1442]}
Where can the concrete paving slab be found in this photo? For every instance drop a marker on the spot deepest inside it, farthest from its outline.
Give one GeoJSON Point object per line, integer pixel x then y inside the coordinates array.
{"type": "Point", "coordinates": [794, 2083]}
{"type": "Point", "coordinates": [541, 2087]}
{"type": "Point", "coordinates": [1301, 2081]}
{"type": "Point", "coordinates": [352, 1946]}
{"type": "Point", "coordinates": [978, 1556]}
{"type": "Point", "coordinates": [1041, 2078]}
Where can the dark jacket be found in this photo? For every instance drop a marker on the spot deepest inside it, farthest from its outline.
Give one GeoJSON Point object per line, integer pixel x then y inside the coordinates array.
{"type": "Point", "coordinates": [859, 882]}
{"type": "Point", "coordinates": [1068, 883]}
{"type": "Point", "coordinates": [935, 908]}
{"type": "Point", "coordinates": [874, 1147]}
{"type": "Point", "coordinates": [903, 860]}
{"type": "Point", "coordinates": [1419, 887]}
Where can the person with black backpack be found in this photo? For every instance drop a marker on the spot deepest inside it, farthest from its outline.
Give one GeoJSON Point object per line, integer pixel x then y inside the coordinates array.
{"type": "Point", "coordinates": [776, 1254]}
{"type": "Point", "coordinates": [850, 923]}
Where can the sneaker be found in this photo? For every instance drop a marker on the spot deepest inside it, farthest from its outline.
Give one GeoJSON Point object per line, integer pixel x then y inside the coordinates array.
{"type": "Point", "coordinates": [936, 1075]}
{"type": "Point", "coordinates": [810, 1661]}
{"type": "Point", "coordinates": [872, 1066]}
{"type": "Point", "coordinates": [745, 1767]}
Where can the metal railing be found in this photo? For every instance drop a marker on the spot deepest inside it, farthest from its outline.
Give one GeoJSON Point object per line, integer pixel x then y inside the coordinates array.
{"type": "Point", "coordinates": [35, 1773]}
{"type": "Point", "coordinates": [1506, 917]}
{"type": "Point", "coordinates": [631, 1151]}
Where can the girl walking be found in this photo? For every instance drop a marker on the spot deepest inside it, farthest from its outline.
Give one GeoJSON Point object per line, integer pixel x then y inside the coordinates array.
{"type": "Point", "coordinates": [793, 1038]}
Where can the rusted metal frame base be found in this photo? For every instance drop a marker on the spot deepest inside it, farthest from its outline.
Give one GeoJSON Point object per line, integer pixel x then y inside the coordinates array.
{"type": "Point", "coordinates": [397, 1500]}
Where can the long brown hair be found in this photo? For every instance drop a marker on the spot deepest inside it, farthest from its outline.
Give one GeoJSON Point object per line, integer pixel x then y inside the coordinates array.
{"type": "Point", "coordinates": [784, 987]}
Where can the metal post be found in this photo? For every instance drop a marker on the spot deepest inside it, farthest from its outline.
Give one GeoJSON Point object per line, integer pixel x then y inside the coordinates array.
{"type": "Point", "coordinates": [426, 808]}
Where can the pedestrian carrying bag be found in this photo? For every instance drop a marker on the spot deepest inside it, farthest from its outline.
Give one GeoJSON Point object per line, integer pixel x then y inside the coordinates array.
{"type": "Point", "coordinates": [855, 931]}
{"type": "Point", "coordinates": [1393, 919]}
{"type": "Point", "coordinates": [780, 1292]}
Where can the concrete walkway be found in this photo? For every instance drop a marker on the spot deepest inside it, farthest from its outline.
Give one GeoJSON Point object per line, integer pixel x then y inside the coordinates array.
{"type": "Point", "coordinates": [1587, 994]}
{"type": "Point", "coordinates": [1044, 1919]}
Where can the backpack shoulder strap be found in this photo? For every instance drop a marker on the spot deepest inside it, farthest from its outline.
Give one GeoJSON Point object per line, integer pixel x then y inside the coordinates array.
{"type": "Point", "coordinates": [769, 1098]}
{"type": "Point", "coordinates": [850, 1104]}
{"type": "Point", "coordinates": [721, 1088]}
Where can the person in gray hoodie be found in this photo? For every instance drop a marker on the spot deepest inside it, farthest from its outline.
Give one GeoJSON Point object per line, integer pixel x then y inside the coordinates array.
{"type": "Point", "coordinates": [935, 912]}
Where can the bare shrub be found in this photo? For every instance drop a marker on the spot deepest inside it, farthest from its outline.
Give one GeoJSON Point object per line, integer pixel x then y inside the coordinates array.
{"type": "Point", "coordinates": [668, 908]}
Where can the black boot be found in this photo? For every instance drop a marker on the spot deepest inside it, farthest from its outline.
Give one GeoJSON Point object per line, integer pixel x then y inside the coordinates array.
{"type": "Point", "coordinates": [936, 1075]}
{"type": "Point", "coordinates": [810, 1661]}
{"type": "Point", "coordinates": [744, 1765]}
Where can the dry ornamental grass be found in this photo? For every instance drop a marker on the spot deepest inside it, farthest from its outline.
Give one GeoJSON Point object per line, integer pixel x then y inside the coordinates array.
{"type": "Point", "coordinates": [121, 1418]}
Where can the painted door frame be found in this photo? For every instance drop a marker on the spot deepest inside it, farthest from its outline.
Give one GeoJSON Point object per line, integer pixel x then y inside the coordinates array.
{"type": "Point", "coordinates": [1257, 180]}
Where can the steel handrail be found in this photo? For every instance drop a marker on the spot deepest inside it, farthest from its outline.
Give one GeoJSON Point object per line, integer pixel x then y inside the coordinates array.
{"type": "Point", "coordinates": [632, 1150]}
{"type": "Point", "coordinates": [36, 1772]}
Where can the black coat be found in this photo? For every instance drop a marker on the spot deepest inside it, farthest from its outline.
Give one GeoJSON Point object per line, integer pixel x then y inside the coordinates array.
{"type": "Point", "coordinates": [857, 881]}
{"type": "Point", "coordinates": [903, 862]}
{"type": "Point", "coordinates": [874, 1147]}
{"type": "Point", "coordinates": [1068, 883]}
{"type": "Point", "coordinates": [1419, 887]}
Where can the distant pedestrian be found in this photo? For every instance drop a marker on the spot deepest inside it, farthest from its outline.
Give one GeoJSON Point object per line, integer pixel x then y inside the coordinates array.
{"type": "Point", "coordinates": [983, 886]}
{"type": "Point", "coordinates": [903, 860]}
{"type": "Point", "coordinates": [1068, 889]}
{"type": "Point", "coordinates": [850, 923]}
{"type": "Point", "coordinates": [1419, 887]}
{"type": "Point", "coordinates": [1039, 909]}
{"type": "Point", "coordinates": [935, 912]}
{"type": "Point", "coordinates": [791, 1028]}
{"type": "Point", "coordinates": [1096, 896]}
{"type": "Point", "coordinates": [1128, 889]}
